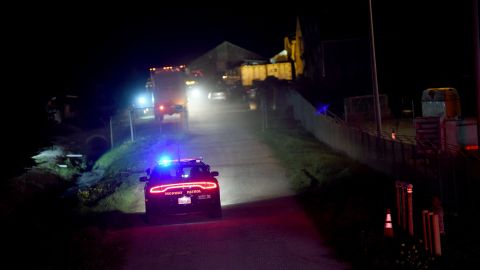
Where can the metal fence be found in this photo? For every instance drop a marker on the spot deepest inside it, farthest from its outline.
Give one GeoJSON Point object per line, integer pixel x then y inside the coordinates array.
{"type": "Point", "coordinates": [131, 124]}
{"type": "Point", "coordinates": [453, 176]}
{"type": "Point", "coordinates": [122, 127]}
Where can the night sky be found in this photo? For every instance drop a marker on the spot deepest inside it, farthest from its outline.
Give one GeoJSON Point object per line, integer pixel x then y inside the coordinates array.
{"type": "Point", "coordinates": [111, 50]}
{"type": "Point", "coordinates": [80, 49]}
{"type": "Point", "coordinates": [104, 52]}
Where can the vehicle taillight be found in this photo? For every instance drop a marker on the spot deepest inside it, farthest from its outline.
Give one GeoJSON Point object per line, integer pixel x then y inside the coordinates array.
{"type": "Point", "coordinates": [161, 108]}
{"type": "Point", "coordinates": [471, 147]}
{"type": "Point", "coordinates": [202, 185]}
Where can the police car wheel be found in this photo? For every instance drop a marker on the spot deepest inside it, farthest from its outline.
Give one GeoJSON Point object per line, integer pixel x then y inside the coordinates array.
{"type": "Point", "coordinates": [216, 211]}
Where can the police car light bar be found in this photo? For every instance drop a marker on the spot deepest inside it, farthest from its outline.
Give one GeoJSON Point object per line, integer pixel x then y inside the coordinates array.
{"type": "Point", "coordinates": [197, 159]}
{"type": "Point", "coordinates": [166, 162]}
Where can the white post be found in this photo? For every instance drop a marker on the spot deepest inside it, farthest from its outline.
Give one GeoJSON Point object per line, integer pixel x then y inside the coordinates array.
{"type": "Point", "coordinates": [131, 124]}
{"type": "Point", "coordinates": [111, 133]}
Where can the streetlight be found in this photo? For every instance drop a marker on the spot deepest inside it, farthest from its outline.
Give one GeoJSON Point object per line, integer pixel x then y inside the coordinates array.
{"type": "Point", "coordinates": [378, 117]}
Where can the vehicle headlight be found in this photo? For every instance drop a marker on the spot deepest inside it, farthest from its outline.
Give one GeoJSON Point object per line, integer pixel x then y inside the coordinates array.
{"type": "Point", "coordinates": [195, 92]}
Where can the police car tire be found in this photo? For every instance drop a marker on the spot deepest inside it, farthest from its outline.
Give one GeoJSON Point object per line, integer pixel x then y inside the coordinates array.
{"type": "Point", "coordinates": [216, 211]}
{"type": "Point", "coordinates": [148, 214]}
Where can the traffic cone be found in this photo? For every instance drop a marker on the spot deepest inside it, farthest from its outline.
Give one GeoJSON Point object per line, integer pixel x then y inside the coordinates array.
{"type": "Point", "coordinates": [388, 230]}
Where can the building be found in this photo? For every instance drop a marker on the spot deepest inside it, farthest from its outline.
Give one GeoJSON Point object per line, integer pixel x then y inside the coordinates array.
{"type": "Point", "coordinates": [331, 52]}
{"type": "Point", "coordinates": [224, 57]}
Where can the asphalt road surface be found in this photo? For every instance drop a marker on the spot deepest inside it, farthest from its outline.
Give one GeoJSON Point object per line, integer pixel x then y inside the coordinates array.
{"type": "Point", "coordinates": [262, 226]}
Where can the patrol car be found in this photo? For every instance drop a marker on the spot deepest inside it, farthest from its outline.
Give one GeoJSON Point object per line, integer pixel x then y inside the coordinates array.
{"type": "Point", "coordinates": [181, 186]}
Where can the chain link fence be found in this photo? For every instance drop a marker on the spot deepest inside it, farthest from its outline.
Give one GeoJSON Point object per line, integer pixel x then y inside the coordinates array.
{"type": "Point", "coordinates": [453, 176]}
{"type": "Point", "coordinates": [131, 124]}
{"type": "Point", "coordinates": [126, 124]}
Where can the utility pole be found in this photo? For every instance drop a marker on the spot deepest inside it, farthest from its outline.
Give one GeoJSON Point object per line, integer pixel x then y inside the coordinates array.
{"type": "Point", "coordinates": [476, 42]}
{"type": "Point", "coordinates": [376, 101]}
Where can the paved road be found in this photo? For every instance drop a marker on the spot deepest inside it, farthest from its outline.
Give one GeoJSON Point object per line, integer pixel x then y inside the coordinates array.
{"type": "Point", "coordinates": [263, 227]}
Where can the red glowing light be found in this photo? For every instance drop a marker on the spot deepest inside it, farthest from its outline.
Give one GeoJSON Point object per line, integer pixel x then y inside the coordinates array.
{"type": "Point", "coordinates": [202, 185]}
{"type": "Point", "coordinates": [471, 147]}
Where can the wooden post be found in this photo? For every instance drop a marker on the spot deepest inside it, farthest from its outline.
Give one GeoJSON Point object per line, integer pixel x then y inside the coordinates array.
{"type": "Point", "coordinates": [430, 233]}
{"type": "Point", "coordinates": [425, 228]}
{"type": "Point", "coordinates": [398, 186]}
{"type": "Point", "coordinates": [404, 207]}
{"type": "Point", "coordinates": [410, 208]}
{"type": "Point", "coordinates": [436, 236]}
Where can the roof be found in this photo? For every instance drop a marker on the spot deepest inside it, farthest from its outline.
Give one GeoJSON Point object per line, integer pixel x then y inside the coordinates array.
{"type": "Point", "coordinates": [223, 57]}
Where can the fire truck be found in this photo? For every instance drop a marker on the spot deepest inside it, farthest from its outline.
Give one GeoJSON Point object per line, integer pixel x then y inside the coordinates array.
{"type": "Point", "coordinates": [169, 90]}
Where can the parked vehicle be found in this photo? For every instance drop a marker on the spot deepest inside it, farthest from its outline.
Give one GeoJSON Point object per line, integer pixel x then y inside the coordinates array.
{"type": "Point", "coordinates": [181, 186]}
{"type": "Point", "coordinates": [168, 85]}
{"type": "Point", "coordinates": [217, 94]}
{"type": "Point", "coordinates": [441, 124]}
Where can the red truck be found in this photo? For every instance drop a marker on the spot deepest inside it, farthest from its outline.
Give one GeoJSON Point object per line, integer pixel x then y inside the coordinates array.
{"type": "Point", "coordinates": [170, 92]}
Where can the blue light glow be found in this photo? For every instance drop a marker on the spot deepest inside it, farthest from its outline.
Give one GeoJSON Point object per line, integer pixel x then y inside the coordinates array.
{"type": "Point", "coordinates": [165, 161]}
{"type": "Point", "coordinates": [322, 109]}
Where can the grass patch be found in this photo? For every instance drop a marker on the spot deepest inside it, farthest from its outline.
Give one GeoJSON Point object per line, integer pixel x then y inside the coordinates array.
{"type": "Point", "coordinates": [347, 202]}
{"type": "Point", "coordinates": [127, 198]}
{"type": "Point", "coordinates": [119, 189]}
{"type": "Point", "coordinates": [308, 162]}
{"type": "Point", "coordinates": [117, 158]}
{"type": "Point", "coordinates": [345, 199]}
{"type": "Point", "coordinates": [114, 189]}
{"type": "Point", "coordinates": [135, 156]}
{"type": "Point", "coordinates": [60, 231]}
